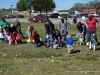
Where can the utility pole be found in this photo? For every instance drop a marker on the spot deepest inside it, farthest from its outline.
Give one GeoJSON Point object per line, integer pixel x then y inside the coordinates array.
{"type": "Point", "coordinates": [12, 9]}
{"type": "Point", "coordinates": [31, 8]}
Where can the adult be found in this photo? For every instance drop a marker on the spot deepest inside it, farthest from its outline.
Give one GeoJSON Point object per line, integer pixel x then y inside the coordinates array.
{"type": "Point", "coordinates": [49, 26]}
{"type": "Point", "coordinates": [18, 27]}
{"type": "Point", "coordinates": [63, 26]}
{"type": "Point", "coordinates": [30, 31]}
{"type": "Point", "coordinates": [82, 29]}
{"type": "Point", "coordinates": [75, 20]}
{"type": "Point", "coordinates": [12, 31]}
{"type": "Point", "coordinates": [57, 37]}
{"type": "Point", "coordinates": [91, 24]}
{"type": "Point", "coordinates": [5, 26]}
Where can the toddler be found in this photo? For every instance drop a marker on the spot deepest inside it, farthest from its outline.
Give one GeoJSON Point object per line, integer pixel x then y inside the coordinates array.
{"type": "Point", "coordinates": [18, 38]}
{"type": "Point", "coordinates": [80, 38]}
{"type": "Point", "coordinates": [10, 40]}
{"type": "Point", "coordinates": [93, 42]}
{"type": "Point", "coordinates": [70, 43]}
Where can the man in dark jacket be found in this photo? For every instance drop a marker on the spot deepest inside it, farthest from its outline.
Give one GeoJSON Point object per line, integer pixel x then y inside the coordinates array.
{"type": "Point", "coordinates": [18, 27]}
{"type": "Point", "coordinates": [49, 26]}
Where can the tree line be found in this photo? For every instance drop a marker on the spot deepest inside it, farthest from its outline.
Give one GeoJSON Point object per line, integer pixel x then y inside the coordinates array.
{"type": "Point", "coordinates": [37, 5]}
{"type": "Point", "coordinates": [49, 5]}
{"type": "Point", "coordinates": [90, 4]}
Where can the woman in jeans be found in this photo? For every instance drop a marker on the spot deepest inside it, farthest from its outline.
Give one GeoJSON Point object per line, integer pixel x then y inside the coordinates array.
{"type": "Point", "coordinates": [92, 25]}
{"type": "Point", "coordinates": [82, 29]}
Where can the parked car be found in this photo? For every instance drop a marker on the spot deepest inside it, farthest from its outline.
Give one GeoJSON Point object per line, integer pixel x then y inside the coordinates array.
{"type": "Point", "coordinates": [40, 15]}
{"type": "Point", "coordinates": [65, 15]}
{"type": "Point", "coordinates": [9, 16]}
{"type": "Point", "coordinates": [48, 15]}
{"type": "Point", "coordinates": [38, 19]}
{"type": "Point", "coordinates": [54, 15]}
{"type": "Point", "coordinates": [94, 14]}
{"type": "Point", "coordinates": [82, 15]}
{"type": "Point", "coordinates": [20, 16]}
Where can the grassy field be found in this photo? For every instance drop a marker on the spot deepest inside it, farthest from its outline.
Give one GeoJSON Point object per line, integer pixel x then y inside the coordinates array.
{"type": "Point", "coordinates": [24, 59]}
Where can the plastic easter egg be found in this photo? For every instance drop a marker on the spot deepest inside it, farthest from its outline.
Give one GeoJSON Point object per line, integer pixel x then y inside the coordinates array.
{"type": "Point", "coordinates": [4, 55]}
{"type": "Point", "coordinates": [82, 72]}
{"type": "Point", "coordinates": [22, 72]}
{"type": "Point", "coordinates": [29, 41]}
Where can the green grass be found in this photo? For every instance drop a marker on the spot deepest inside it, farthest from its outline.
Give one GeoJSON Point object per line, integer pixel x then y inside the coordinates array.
{"type": "Point", "coordinates": [24, 59]}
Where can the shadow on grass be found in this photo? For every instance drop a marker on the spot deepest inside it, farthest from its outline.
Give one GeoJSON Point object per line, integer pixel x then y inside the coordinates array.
{"type": "Point", "coordinates": [75, 40]}
{"type": "Point", "coordinates": [99, 43]}
{"type": "Point", "coordinates": [24, 42]}
{"type": "Point", "coordinates": [98, 49]}
{"type": "Point", "coordinates": [76, 51]}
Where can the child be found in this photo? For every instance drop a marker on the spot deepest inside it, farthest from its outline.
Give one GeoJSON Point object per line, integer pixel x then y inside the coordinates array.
{"type": "Point", "coordinates": [12, 31]}
{"type": "Point", "coordinates": [63, 40]}
{"type": "Point", "coordinates": [1, 35]}
{"type": "Point", "coordinates": [36, 38]}
{"type": "Point", "coordinates": [93, 42]}
{"type": "Point", "coordinates": [55, 45]}
{"type": "Point", "coordinates": [48, 41]}
{"type": "Point", "coordinates": [18, 38]}
{"type": "Point", "coordinates": [70, 43]}
{"type": "Point", "coordinates": [10, 40]}
{"type": "Point", "coordinates": [80, 38]}
{"type": "Point", "coordinates": [29, 32]}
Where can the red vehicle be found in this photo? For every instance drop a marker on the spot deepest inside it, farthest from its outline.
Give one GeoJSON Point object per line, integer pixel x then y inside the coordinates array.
{"type": "Point", "coordinates": [38, 19]}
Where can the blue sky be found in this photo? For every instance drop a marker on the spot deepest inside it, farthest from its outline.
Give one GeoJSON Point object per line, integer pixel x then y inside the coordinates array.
{"type": "Point", "coordinates": [60, 4]}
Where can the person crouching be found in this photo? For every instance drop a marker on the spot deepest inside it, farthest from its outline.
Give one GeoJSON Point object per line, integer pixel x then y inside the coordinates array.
{"type": "Point", "coordinates": [18, 38]}
{"type": "Point", "coordinates": [36, 39]}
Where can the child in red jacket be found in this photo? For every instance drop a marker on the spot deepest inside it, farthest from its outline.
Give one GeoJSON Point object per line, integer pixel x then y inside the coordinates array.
{"type": "Point", "coordinates": [18, 38]}
{"type": "Point", "coordinates": [36, 38]}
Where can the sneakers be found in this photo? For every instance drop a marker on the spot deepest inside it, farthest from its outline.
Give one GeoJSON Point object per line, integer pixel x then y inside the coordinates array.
{"type": "Point", "coordinates": [94, 48]}
{"type": "Point", "coordinates": [50, 47]}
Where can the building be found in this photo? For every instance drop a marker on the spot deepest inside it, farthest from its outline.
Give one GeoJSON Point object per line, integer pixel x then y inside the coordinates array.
{"type": "Point", "coordinates": [91, 10]}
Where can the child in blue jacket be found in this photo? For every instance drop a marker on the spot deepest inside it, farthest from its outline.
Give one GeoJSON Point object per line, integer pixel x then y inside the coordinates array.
{"type": "Point", "coordinates": [70, 43]}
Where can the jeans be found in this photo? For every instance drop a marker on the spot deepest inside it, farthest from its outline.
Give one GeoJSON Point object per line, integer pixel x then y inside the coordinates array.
{"type": "Point", "coordinates": [89, 33]}
{"type": "Point", "coordinates": [50, 43]}
{"type": "Point", "coordinates": [63, 31]}
{"type": "Point", "coordinates": [84, 34]}
{"type": "Point", "coordinates": [5, 37]}
{"type": "Point", "coordinates": [21, 34]}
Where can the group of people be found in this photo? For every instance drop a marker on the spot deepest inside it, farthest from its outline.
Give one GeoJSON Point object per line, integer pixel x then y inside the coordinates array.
{"type": "Point", "coordinates": [10, 33]}
{"type": "Point", "coordinates": [60, 37]}
{"type": "Point", "coordinates": [90, 29]}
{"type": "Point", "coordinates": [54, 38]}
